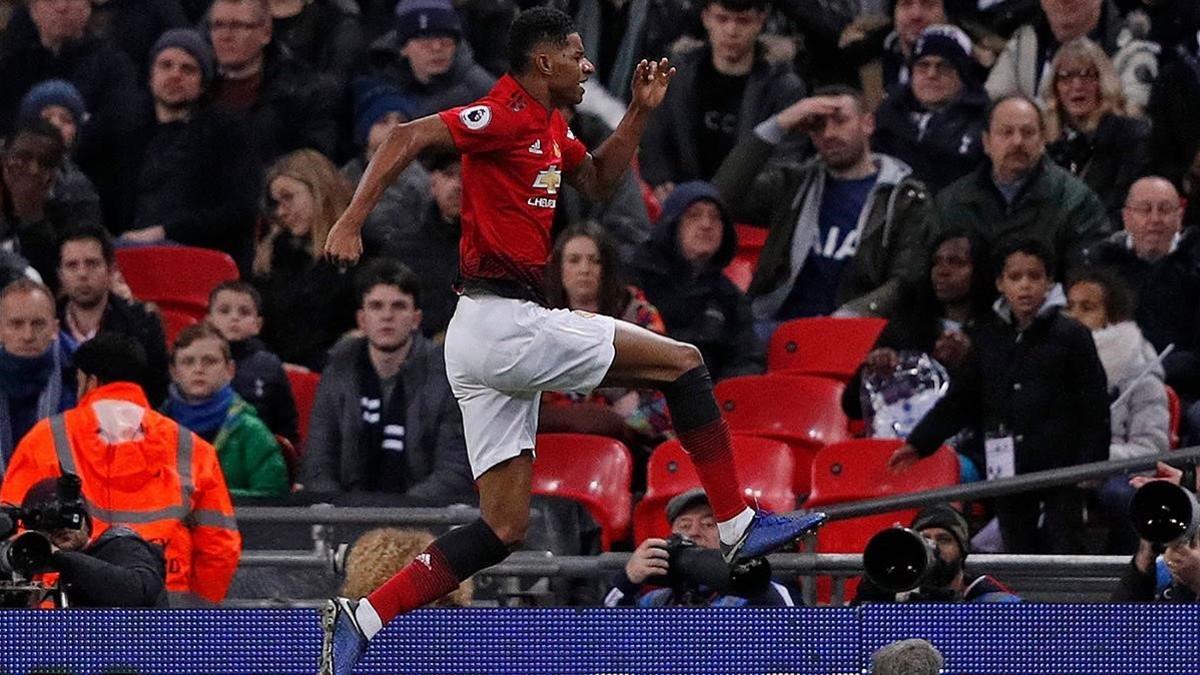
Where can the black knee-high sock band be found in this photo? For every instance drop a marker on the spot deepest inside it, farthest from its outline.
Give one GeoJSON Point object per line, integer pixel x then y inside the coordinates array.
{"type": "Point", "coordinates": [471, 548]}
{"type": "Point", "coordinates": [690, 400]}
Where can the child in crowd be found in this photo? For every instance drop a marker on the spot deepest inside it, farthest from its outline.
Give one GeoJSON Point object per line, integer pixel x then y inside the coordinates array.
{"type": "Point", "coordinates": [235, 310]}
{"type": "Point", "coordinates": [1034, 388]}
{"type": "Point", "coordinates": [201, 398]}
{"type": "Point", "coordinates": [1140, 417]}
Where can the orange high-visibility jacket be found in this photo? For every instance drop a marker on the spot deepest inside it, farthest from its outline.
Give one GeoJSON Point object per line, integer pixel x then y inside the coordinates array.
{"type": "Point", "coordinates": [140, 471]}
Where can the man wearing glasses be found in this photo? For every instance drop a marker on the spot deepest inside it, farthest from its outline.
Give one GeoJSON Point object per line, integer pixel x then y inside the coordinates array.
{"type": "Point", "coordinates": [289, 105]}
{"type": "Point", "coordinates": [1161, 262]}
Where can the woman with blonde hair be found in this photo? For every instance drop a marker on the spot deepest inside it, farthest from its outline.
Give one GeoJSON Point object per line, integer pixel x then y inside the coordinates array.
{"type": "Point", "coordinates": [1090, 129]}
{"type": "Point", "coordinates": [307, 302]}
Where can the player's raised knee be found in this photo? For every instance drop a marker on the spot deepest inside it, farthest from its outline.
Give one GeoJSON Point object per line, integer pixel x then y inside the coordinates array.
{"type": "Point", "coordinates": [512, 532]}
{"type": "Point", "coordinates": [685, 357]}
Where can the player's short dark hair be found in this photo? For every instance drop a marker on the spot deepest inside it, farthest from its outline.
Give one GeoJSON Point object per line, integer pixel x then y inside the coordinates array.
{"type": "Point", "coordinates": [111, 357]}
{"type": "Point", "coordinates": [844, 90]}
{"type": "Point", "coordinates": [387, 272]}
{"type": "Point", "coordinates": [1119, 303]}
{"type": "Point", "coordinates": [237, 286]}
{"type": "Point", "coordinates": [1037, 108]}
{"type": "Point", "coordinates": [1031, 247]}
{"type": "Point", "coordinates": [533, 27]}
{"type": "Point", "coordinates": [91, 232]}
{"type": "Point", "coordinates": [740, 5]}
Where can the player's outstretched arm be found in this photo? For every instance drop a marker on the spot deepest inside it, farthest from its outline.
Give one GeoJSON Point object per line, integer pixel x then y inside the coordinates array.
{"type": "Point", "coordinates": [597, 176]}
{"type": "Point", "coordinates": [403, 144]}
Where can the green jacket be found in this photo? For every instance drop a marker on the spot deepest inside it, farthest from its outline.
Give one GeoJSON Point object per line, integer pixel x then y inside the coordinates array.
{"type": "Point", "coordinates": [1053, 206]}
{"type": "Point", "coordinates": [249, 454]}
{"type": "Point", "coordinates": [891, 248]}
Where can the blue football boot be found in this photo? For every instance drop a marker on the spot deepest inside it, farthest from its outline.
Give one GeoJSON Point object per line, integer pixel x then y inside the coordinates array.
{"type": "Point", "coordinates": [769, 532]}
{"type": "Point", "coordinates": [343, 642]}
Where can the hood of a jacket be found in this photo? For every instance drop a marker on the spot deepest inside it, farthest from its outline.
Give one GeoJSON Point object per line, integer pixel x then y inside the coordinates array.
{"type": "Point", "coordinates": [665, 242]}
{"type": "Point", "coordinates": [891, 170]}
{"type": "Point", "coordinates": [132, 449]}
{"type": "Point", "coordinates": [1125, 353]}
{"type": "Point", "coordinates": [1056, 299]}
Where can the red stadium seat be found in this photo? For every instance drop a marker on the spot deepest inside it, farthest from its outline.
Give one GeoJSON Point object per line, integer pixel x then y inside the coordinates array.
{"type": "Point", "coordinates": [1175, 407]}
{"type": "Point", "coordinates": [175, 277]}
{"type": "Point", "coordinates": [803, 411]}
{"type": "Point", "coordinates": [857, 470]}
{"type": "Point", "coordinates": [751, 240]}
{"type": "Point", "coordinates": [765, 467]}
{"type": "Point", "coordinates": [595, 471]}
{"type": "Point", "coordinates": [174, 321]}
{"type": "Point", "coordinates": [822, 346]}
{"type": "Point", "coordinates": [304, 390]}
{"type": "Point", "coordinates": [740, 271]}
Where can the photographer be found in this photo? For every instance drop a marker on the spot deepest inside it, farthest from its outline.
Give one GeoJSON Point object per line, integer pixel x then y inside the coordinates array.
{"type": "Point", "coordinates": [947, 581]}
{"type": "Point", "coordinates": [1173, 575]}
{"type": "Point", "coordinates": [116, 569]}
{"type": "Point", "coordinates": [692, 525]}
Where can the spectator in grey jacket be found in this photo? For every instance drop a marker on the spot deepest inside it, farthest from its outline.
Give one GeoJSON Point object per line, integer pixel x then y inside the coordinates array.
{"type": "Point", "coordinates": [384, 418]}
{"type": "Point", "coordinates": [846, 227]}
{"type": "Point", "coordinates": [379, 105]}
{"type": "Point", "coordinates": [721, 91]}
{"type": "Point", "coordinates": [426, 57]}
{"type": "Point", "coordinates": [1100, 300]}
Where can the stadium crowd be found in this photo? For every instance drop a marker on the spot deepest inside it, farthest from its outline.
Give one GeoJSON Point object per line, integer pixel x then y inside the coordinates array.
{"type": "Point", "coordinates": [1015, 185]}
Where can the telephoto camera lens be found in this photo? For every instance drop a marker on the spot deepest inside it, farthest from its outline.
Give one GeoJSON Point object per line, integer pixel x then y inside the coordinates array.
{"type": "Point", "coordinates": [25, 554]}
{"type": "Point", "coordinates": [898, 559]}
{"type": "Point", "coordinates": [1163, 512]}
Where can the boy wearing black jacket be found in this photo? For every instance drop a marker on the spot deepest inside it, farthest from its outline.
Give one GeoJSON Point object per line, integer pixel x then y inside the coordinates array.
{"type": "Point", "coordinates": [235, 310]}
{"type": "Point", "coordinates": [1035, 391]}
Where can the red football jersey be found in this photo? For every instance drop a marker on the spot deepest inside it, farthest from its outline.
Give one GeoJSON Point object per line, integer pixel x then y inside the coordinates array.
{"type": "Point", "coordinates": [514, 155]}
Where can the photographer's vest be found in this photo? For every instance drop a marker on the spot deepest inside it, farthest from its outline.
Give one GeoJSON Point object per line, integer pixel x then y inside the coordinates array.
{"type": "Point", "coordinates": [161, 514]}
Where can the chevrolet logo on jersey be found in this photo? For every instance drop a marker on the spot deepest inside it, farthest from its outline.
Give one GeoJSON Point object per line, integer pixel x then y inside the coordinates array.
{"type": "Point", "coordinates": [549, 180]}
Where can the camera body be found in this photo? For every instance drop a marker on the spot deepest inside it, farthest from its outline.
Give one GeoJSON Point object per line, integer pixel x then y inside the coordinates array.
{"type": "Point", "coordinates": [694, 572]}
{"type": "Point", "coordinates": [23, 554]}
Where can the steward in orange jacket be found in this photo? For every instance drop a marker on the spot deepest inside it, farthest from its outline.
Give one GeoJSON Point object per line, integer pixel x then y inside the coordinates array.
{"type": "Point", "coordinates": [139, 469]}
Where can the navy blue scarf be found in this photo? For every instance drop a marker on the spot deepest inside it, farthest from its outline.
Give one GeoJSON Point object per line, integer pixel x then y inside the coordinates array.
{"type": "Point", "coordinates": [203, 417]}
{"type": "Point", "coordinates": [23, 377]}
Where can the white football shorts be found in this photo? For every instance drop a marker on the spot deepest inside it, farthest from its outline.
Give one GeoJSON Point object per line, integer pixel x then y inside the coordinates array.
{"type": "Point", "coordinates": [501, 354]}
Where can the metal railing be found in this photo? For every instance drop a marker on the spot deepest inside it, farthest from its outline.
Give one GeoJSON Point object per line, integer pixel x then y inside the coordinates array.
{"type": "Point", "coordinates": [545, 564]}
{"type": "Point", "coordinates": [528, 564]}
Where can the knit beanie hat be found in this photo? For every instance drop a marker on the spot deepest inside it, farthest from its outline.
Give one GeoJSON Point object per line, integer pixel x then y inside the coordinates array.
{"type": "Point", "coordinates": [426, 18]}
{"type": "Point", "coordinates": [948, 42]}
{"type": "Point", "coordinates": [375, 97]}
{"type": "Point", "coordinates": [54, 92]}
{"type": "Point", "coordinates": [949, 519]}
{"type": "Point", "coordinates": [192, 42]}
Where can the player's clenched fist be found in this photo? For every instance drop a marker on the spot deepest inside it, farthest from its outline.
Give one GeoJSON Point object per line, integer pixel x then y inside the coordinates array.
{"type": "Point", "coordinates": [343, 246]}
{"type": "Point", "coordinates": [650, 80]}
